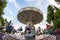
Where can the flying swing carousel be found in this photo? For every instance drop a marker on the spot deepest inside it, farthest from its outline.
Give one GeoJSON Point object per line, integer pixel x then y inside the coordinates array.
{"type": "Point", "coordinates": [30, 16]}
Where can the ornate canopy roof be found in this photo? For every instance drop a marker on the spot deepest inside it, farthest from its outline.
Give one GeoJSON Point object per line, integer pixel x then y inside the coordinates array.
{"type": "Point", "coordinates": [31, 14]}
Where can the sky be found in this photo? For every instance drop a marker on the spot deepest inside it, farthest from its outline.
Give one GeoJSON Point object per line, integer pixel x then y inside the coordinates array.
{"type": "Point", "coordinates": [13, 6]}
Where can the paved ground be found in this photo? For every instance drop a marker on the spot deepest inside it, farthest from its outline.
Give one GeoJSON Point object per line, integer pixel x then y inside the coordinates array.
{"type": "Point", "coordinates": [1, 36]}
{"type": "Point", "coordinates": [57, 37]}
{"type": "Point", "coordinates": [39, 37]}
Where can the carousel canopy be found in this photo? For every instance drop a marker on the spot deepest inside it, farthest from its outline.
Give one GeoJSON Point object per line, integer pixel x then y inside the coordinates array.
{"type": "Point", "coordinates": [30, 14]}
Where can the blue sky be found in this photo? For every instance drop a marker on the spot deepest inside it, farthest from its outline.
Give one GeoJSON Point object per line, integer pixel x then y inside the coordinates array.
{"type": "Point", "coordinates": [13, 6]}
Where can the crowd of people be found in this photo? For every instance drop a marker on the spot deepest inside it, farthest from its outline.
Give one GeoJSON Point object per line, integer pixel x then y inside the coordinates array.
{"type": "Point", "coordinates": [9, 27]}
{"type": "Point", "coordinates": [29, 29]}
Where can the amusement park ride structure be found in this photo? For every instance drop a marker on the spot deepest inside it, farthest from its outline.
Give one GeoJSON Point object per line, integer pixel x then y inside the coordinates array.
{"type": "Point", "coordinates": [30, 16]}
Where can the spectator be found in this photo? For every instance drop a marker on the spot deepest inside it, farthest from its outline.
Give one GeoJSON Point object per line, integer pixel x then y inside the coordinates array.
{"type": "Point", "coordinates": [38, 29]}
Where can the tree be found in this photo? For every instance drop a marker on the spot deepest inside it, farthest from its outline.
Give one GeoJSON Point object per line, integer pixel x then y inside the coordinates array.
{"type": "Point", "coordinates": [57, 19]}
{"type": "Point", "coordinates": [2, 21]}
{"type": "Point", "coordinates": [2, 6]}
{"type": "Point", "coordinates": [50, 16]}
{"type": "Point", "coordinates": [57, 23]}
{"type": "Point", "coordinates": [57, 14]}
{"type": "Point", "coordinates": [54, 16]}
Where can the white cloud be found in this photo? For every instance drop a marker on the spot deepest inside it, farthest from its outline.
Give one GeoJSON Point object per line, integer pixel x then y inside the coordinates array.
{"type": "Point", "coordinates": [8, 10]}
{"type": "Point", "coordinates": [38, 3]}
{"type": "Point", "coordinates": [33, 2]}
{"type": "Point", "coordinates": [29, 0]}
{"type": "Point", "coordinates": [14, 3]}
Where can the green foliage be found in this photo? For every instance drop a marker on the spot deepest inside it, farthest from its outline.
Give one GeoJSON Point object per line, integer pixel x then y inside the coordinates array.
{"type": "Point", "coordinates": [50, 16]}
{"type": "Point", "coordinates": [57, 19]}
{"type": "Point", "coordinates": [53, 16]}
{"type": "Point", "coordinates": [57, 23]}
{"type": "Point", "coordinates": [50, 9]}
{"type": "Point", "coordinates": [57, 14]}
{"type": "Point", "coordinates": [2, 21]}
{"type": "Point", "coordinates": [2, 6]}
